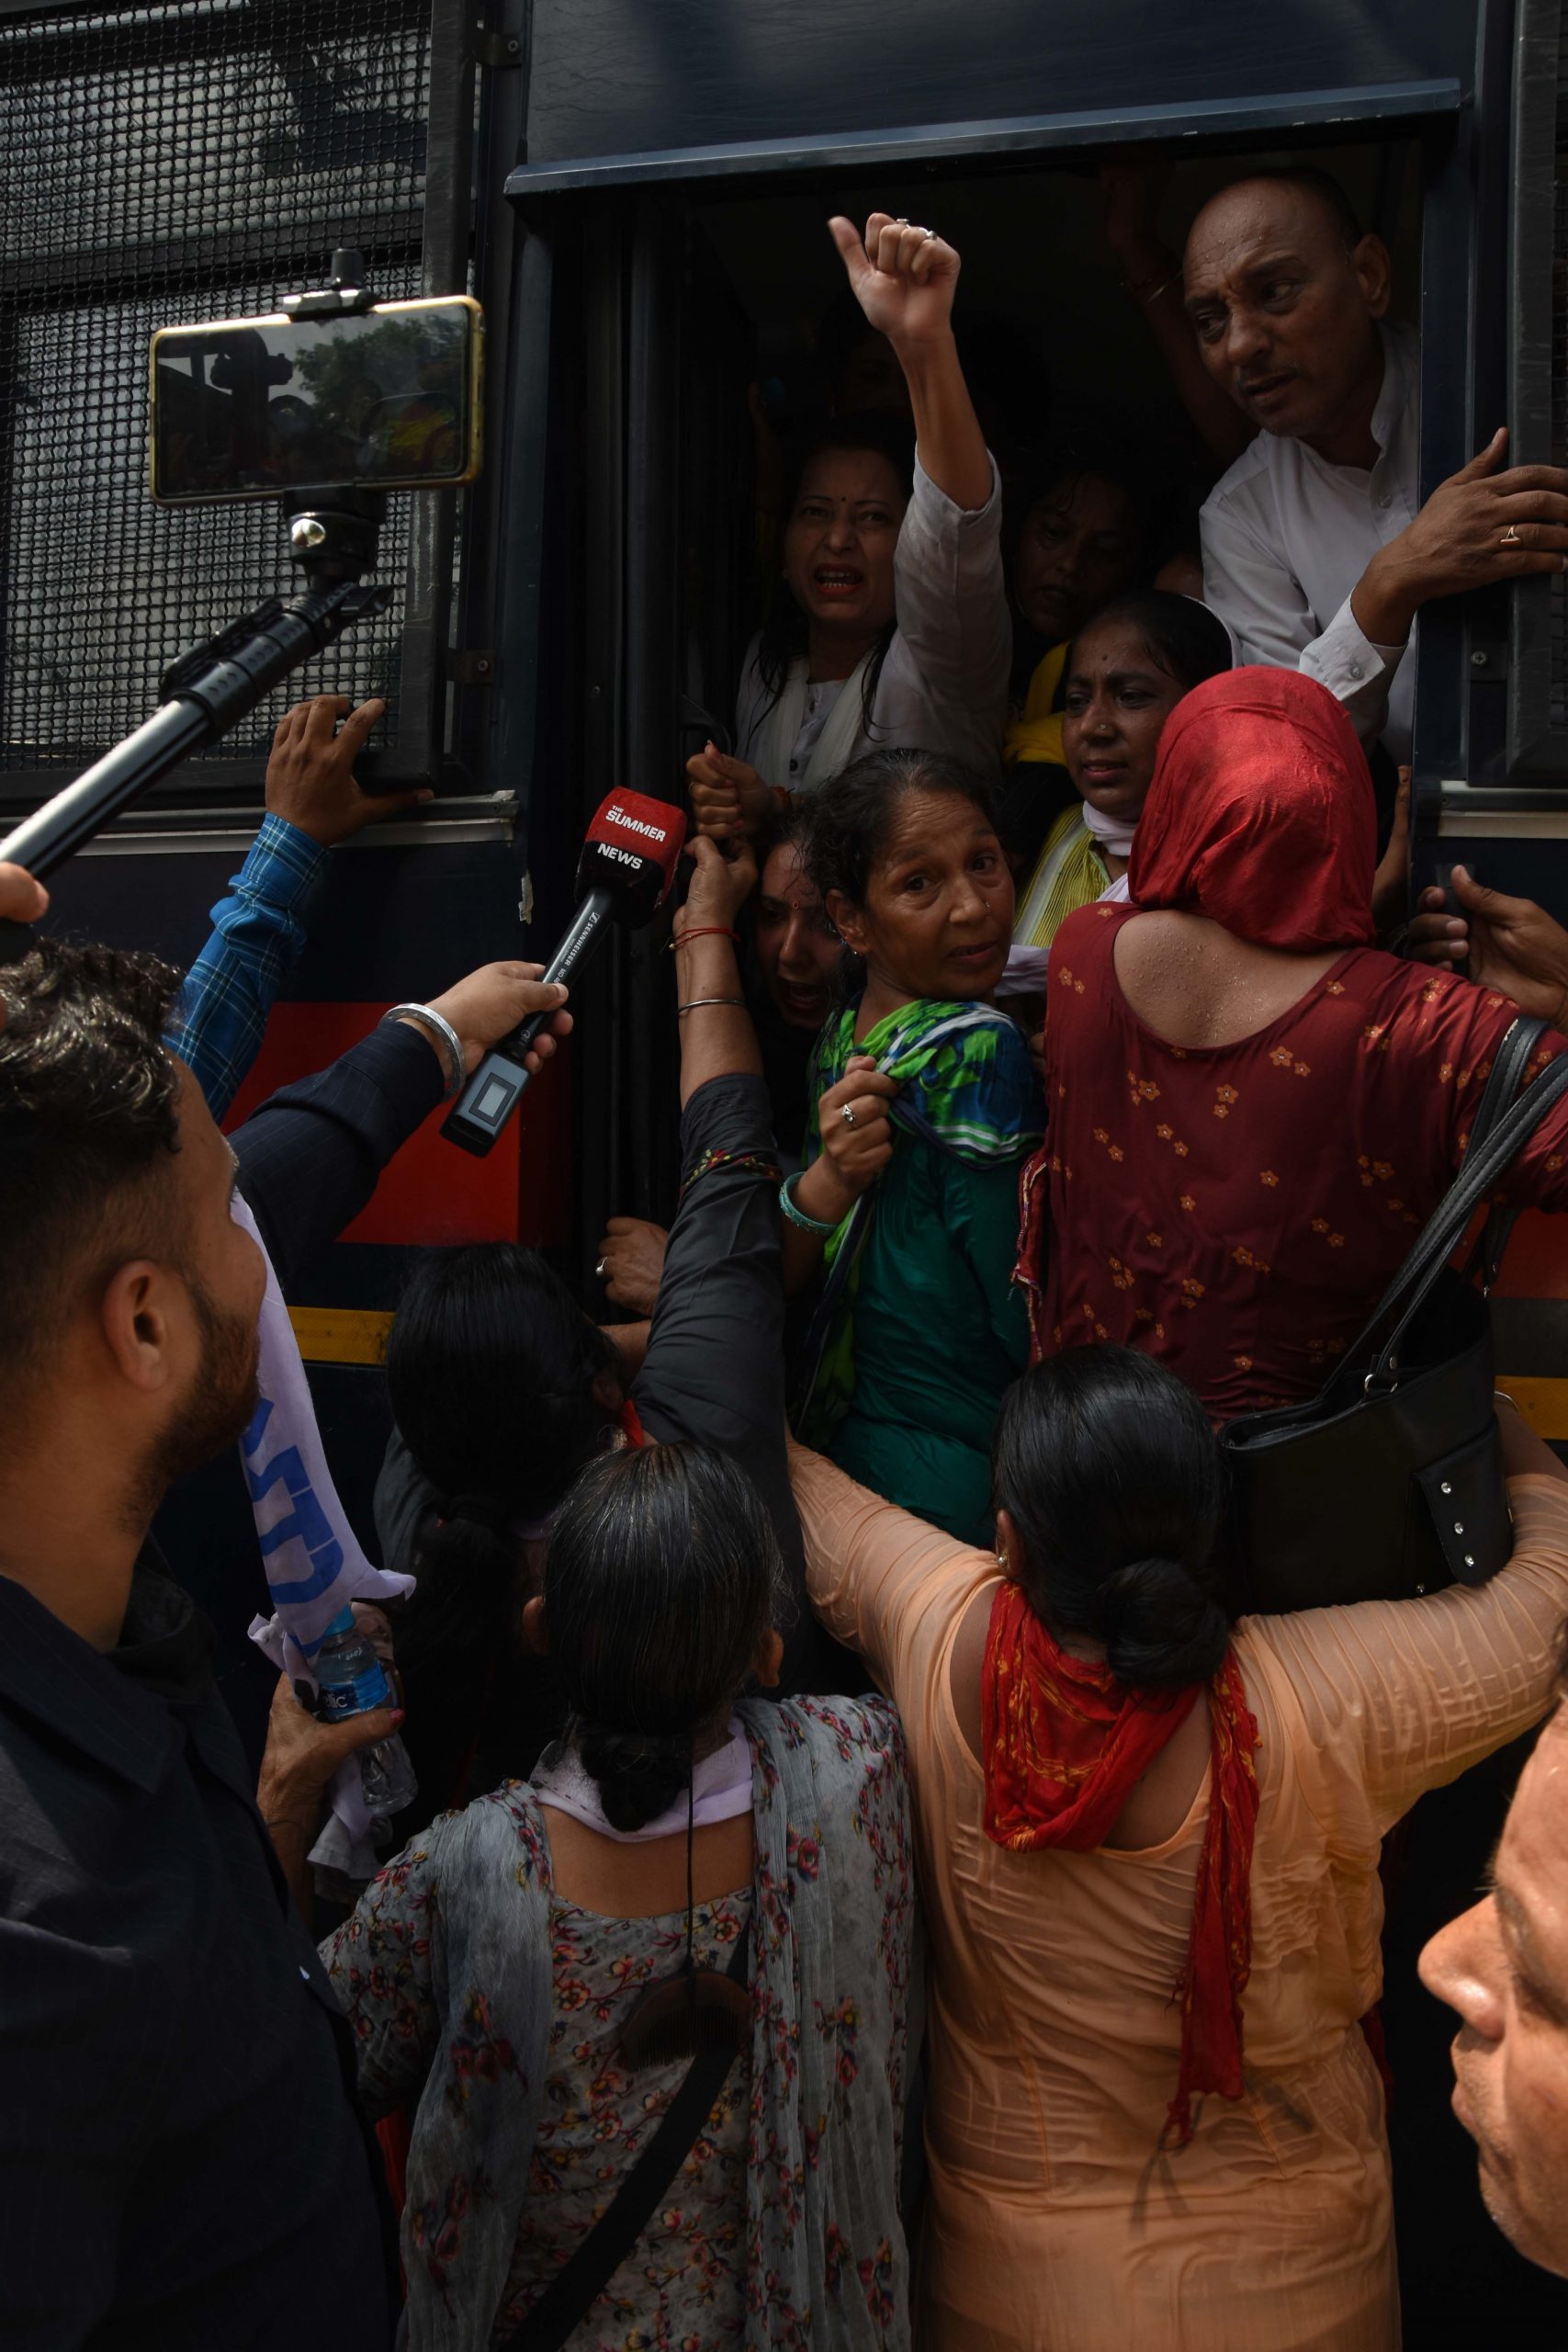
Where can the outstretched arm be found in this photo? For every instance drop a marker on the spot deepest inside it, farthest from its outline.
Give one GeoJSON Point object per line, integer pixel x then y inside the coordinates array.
{"type": "Point", "coordinates": [953, 647]}
{"type": "Point", "coordinates": [881, 1581]}
{"type": "Point", "coordinates": [1511, 945]}
{"type": "Point", "coordinates": [904, 280]}
{"type": "Point", "coordinates": [310, 1155]}
{"type": "Point", "coordinates": [1487, 524]}
{"type": "Point", "coordinates": [713, 1372]}
{"type": "Point", "coordinates": [1406, 1694]}
{"type": "Point", "coordinates": [312, 803]}
{"type": "Point", "coordinates": [716, 1037]}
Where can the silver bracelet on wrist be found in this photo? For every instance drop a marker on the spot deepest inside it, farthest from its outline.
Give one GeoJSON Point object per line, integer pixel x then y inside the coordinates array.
{"type": "Point", "coordinates": [443, 1037]}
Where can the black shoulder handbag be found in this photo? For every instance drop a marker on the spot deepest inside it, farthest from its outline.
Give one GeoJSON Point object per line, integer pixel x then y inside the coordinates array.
{"type": "Point", "coordinates": [1388, 1483]}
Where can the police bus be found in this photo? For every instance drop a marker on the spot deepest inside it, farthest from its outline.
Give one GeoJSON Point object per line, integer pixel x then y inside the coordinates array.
{"type": "Point", "coordinates": [636, 190]}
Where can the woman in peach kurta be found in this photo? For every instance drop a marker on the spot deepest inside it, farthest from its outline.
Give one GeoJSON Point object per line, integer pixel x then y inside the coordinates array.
{"type": "Point", "coordinates": [1055, 2221]}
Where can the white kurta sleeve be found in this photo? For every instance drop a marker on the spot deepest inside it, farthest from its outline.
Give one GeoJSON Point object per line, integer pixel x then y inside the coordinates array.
{"type": "Point", "coordinates": [1256, 596]}
{"type": "Point", "coordinates": [952, 653]}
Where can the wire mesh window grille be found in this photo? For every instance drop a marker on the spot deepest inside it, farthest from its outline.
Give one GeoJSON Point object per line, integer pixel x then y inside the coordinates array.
{"type": "Point", "coordinates": [170, 163]}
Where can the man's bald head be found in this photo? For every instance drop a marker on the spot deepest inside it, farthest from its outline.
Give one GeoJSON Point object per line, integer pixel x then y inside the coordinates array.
{"type": "Point", "coordinates": [1284, 292]}
{"type": "Point", "coordinates": [1306, 186]}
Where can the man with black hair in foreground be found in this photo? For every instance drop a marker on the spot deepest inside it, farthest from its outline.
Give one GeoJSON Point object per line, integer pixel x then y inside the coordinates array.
{"type": "Point", "coordinates": [182, 2161]}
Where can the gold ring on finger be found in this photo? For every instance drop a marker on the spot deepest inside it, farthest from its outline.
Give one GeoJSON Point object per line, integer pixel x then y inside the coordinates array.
{"type": "Point", "coordinates": [1511, 536]}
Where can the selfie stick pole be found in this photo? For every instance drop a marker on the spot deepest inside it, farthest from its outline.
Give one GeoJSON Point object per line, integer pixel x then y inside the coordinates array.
{"type": "Point", "coordinates": [208, 692]}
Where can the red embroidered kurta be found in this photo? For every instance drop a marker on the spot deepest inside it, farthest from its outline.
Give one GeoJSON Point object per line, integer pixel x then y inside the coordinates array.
{"type": "Point", "coordinates": [1238, 1210]}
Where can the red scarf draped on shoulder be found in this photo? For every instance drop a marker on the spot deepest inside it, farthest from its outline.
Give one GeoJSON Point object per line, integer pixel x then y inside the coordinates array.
{"type": "Point", "coordinates": [1064, 1745]}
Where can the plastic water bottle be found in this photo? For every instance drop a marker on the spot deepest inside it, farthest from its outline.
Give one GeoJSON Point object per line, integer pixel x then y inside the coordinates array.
{"type": "Point", "coordinates": [353, 1681]}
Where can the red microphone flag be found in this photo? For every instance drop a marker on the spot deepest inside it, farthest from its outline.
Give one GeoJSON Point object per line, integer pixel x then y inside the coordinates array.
{"type": "Point", "coordinates": [633, 847]}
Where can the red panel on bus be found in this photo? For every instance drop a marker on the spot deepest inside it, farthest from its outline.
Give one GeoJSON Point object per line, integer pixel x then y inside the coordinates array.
{"type": "Point", "coordinates": [431, 1192]}
{"type": "Point", "coordinates": [1537, 1262]}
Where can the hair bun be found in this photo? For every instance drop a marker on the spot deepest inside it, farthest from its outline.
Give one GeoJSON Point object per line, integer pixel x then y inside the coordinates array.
{"type": "Point", "coordinates": [639, 1775]}
{"type": "Point", "coordinates": [1159, 1627]}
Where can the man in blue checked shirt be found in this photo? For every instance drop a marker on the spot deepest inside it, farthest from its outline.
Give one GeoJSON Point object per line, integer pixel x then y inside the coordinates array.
{"type": "Point", "coordinates": [312, 803]}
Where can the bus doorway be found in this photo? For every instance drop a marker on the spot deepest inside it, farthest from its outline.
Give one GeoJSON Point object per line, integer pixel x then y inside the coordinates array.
{"type": "Point", "coordinates": [706, 334]}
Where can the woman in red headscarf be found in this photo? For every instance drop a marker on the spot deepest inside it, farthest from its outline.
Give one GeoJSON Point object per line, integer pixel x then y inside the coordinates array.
{"type": "Point", "coordinates": [1252, 1110]}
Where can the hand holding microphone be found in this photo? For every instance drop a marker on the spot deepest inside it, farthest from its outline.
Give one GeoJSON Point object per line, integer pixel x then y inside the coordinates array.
{"type": "Point", "coordinates": [623, 875]}
{"type": "Point", "coordinates": [489, 1005]}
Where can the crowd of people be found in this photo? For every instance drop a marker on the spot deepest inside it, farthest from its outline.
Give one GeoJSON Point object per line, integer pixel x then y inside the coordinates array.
{"type": "Point", "coordinates": [872, 1879]}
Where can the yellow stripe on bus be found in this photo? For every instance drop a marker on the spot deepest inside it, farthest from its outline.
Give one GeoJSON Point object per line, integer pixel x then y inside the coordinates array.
{"type": "Point", "coordinates": [358, 1335]}
{"type": "Point", "coordinates": [346, 1334]}
{"type": "Point", "coordinates": [1543, 1403]}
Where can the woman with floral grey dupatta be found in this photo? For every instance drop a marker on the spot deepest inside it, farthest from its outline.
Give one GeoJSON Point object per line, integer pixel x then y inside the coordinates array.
{"type": "Point", "coordinates": [494, 1971]}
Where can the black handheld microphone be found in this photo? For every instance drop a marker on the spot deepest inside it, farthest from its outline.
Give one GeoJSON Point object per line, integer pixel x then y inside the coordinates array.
{"type": "Point", "coordinates": [623, 876]}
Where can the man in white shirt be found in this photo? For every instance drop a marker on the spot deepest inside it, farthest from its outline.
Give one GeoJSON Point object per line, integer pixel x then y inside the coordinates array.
{"type": "Point", "coordinates": [1315, 551]}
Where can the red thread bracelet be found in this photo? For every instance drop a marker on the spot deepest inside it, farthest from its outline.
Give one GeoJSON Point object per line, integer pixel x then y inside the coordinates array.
{"type": "Point", "coordinates": [706, 931]}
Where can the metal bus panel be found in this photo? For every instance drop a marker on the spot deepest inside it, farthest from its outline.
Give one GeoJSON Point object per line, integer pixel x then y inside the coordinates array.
{"type": "Point", "coordinates": [620, 78]}
{"type": "Point", "coordinates": [1024, 139]}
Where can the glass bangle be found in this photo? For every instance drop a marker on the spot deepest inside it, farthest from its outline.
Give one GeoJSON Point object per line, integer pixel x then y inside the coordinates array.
{"type": "Point", "coordinates": [797, 1216]}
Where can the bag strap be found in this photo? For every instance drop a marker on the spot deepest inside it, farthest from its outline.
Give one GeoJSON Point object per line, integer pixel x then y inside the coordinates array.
{"type": "Point", "coordinates": [581, 2280]}
{"type": "Point", "coordinates": [1509, 1065]}
{"type": "Point", "coordinates": [1483, 1168]}
{"type": "Point", "coordinates": [1481, 1171]}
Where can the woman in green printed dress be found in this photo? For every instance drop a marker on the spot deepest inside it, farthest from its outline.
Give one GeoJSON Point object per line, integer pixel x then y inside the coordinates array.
{"type": "Point", "coordinates": [926, 1105]}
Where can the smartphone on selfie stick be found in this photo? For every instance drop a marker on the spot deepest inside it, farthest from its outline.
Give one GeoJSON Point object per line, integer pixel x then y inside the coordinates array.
{"type": "Point", "coordinates": [326, 406]}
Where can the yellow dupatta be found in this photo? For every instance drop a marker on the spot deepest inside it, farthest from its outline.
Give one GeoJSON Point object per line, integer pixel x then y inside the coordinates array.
{"type": "Point", "coordinates": [1071, 873]}
{"type": "Point", "coordinates": [1038, 734]}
